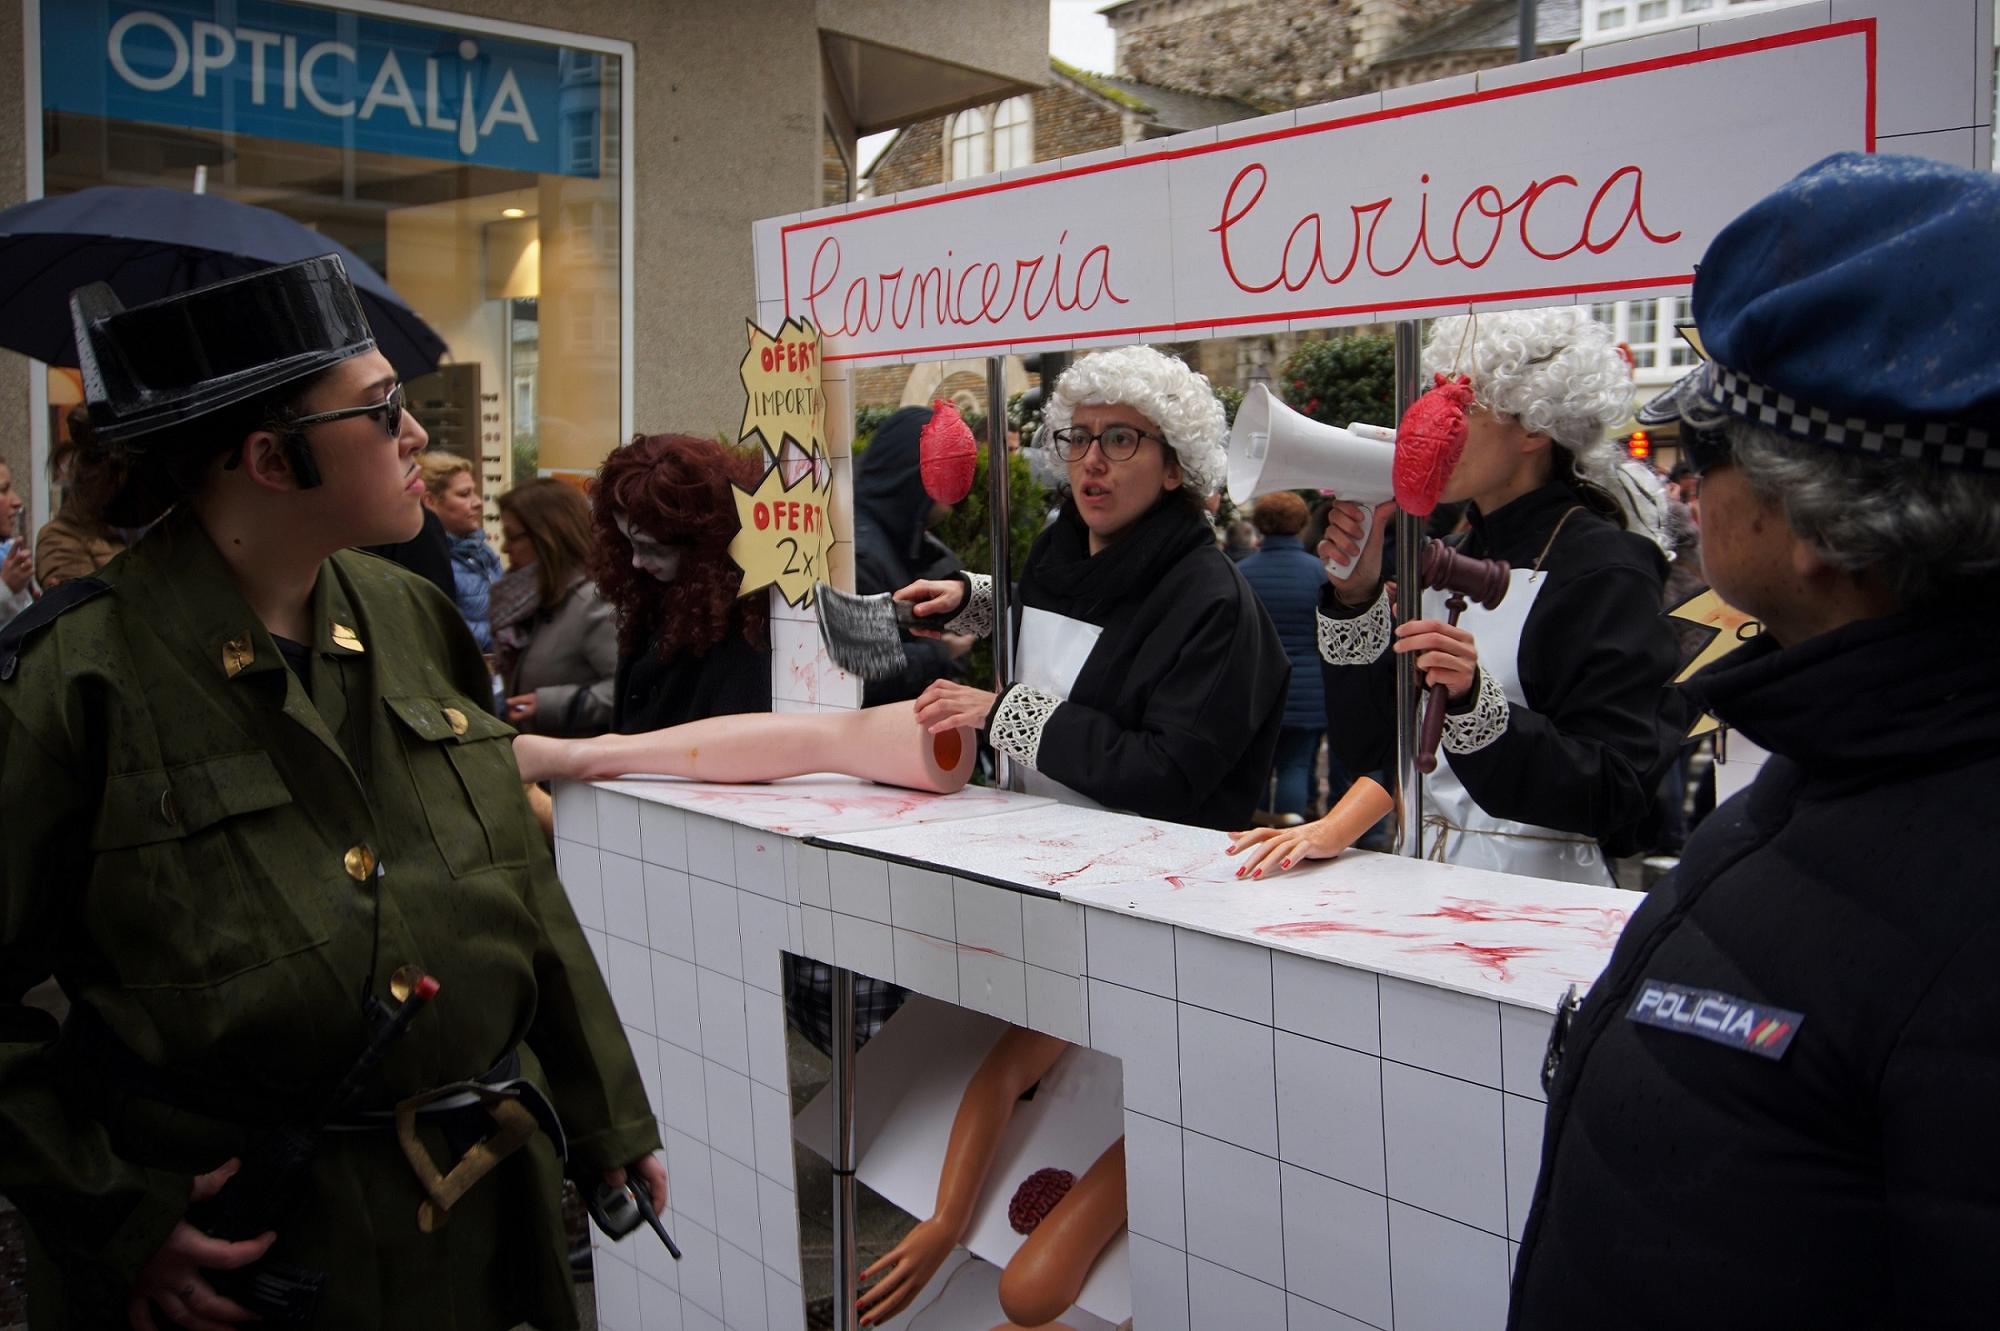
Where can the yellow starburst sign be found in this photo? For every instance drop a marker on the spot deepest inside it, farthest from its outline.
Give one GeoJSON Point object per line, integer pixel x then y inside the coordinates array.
{"type": "Point", "coordinates": [782, 533]}
{"type": "Point", "coordinates": [781, 385]}
{"type": "Point", "coordinates": [1730, 627]}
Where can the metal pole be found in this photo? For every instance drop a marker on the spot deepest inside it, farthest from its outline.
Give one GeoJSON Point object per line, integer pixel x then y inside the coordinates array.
{"type": "Point", "coordinates": [846, 1262]}
{"type": "Point", "coordinates": [997, 474]}
{"type": "Point", "coordinates": [1524, 40]}
{"type": "Point", "coordinates": [1409, 787]}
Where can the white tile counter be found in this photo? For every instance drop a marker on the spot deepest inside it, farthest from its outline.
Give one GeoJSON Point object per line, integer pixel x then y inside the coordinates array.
{"type": "Point", "coordinates": [1331, 1093]}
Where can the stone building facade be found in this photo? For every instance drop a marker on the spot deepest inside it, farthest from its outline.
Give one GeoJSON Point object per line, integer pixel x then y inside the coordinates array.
{"type": "Point", "coordinates": [1271, 53]}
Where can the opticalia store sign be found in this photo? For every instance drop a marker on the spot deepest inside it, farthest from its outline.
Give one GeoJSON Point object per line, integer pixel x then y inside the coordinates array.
{"type": "Point", "coordinates": [315, 75]}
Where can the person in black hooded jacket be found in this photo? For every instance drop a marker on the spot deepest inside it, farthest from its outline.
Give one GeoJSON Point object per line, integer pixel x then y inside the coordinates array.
{"type": "Point", "coordinates": [1777, 1106]}
{"type": "Point", "coordinates": [893, 547]}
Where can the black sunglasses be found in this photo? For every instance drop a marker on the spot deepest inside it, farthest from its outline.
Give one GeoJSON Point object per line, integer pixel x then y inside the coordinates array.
{"type": "Point", "coordinates": [388, 413]}
{"type": "Point", "coordinates": [1116, 442]}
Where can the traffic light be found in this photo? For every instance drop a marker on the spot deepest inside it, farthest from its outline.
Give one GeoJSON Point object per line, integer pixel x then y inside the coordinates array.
{"type": "Point", "coordinates": [1639, 447]}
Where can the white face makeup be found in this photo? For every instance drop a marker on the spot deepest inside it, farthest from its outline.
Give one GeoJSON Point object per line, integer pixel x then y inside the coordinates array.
{"type": "Point", "coordinates": [657, 558]}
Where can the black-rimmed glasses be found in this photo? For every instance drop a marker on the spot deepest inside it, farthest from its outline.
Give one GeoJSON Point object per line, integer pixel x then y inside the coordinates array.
{"type": "Point", "coordinates": [1116, 442]}
{"type": "Point", "coordinates": [388, 413]}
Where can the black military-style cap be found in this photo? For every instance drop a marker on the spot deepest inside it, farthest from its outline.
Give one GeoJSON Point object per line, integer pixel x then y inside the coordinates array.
{"type": "Point", "coordinates": [170, 361]}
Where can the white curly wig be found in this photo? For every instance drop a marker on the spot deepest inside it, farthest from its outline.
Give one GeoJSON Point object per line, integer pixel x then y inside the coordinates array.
{"type": "Point", "coordinates": [1160, 387]}
{"type": "Point", "coordinates": [1556, 371]}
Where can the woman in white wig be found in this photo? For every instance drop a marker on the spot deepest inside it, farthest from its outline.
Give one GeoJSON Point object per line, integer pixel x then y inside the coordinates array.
{"type": "Point", "coordinates": [1149, 679]}
{"type": "Point", "coordinates": [1556, 737]}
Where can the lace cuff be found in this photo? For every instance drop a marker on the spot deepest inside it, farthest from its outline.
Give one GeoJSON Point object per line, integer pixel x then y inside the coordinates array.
{"type": "Point", "coordinates": [1357, 641]}
{"type": "Point", "coordinates": [1019, 720]}
{"type": "Point", "coordinates": [1469, 732]}
{"type": "Point", "coordinates": [976, 615]}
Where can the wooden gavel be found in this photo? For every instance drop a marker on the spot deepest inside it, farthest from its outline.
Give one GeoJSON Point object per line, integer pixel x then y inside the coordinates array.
{"type": "Point", "coordinates": [1485, 581]}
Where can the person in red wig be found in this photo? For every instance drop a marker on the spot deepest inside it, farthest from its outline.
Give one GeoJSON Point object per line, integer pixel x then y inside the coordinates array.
{"type": "Point", "coordinates": [688, 645]}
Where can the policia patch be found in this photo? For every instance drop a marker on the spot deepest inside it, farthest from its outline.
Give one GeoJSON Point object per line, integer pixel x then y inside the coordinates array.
{"type": "Point", "coordinates": [1753, 1028]}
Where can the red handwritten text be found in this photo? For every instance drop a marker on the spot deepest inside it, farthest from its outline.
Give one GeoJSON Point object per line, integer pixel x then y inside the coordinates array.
{"type": "Point", "coordinates": [982, 291]}
{"type": "Point", "coordinates": [1261, 252]}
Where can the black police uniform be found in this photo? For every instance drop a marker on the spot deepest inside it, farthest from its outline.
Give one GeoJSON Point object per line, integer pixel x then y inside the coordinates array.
{"type": "Point", "coordinates": [1780, 1105]}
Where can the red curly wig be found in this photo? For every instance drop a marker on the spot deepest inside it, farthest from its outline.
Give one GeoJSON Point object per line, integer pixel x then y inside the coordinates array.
{"type": "Point", "coordinates": [675, 489]}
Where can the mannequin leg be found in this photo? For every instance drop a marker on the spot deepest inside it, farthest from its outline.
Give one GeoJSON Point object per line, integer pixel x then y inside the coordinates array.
{"type": "Point", "coordinates": [885, 744]}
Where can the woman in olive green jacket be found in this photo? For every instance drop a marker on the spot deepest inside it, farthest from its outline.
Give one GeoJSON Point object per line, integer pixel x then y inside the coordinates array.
{"type": "Point", "coordinates": [248, 776]}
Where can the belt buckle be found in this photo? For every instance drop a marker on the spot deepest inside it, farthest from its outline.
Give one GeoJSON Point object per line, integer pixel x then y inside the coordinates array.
{"type": "Point", "coordinates": [513, 1125]}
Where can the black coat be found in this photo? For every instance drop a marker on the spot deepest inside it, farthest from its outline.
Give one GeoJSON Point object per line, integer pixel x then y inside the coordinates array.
{"type": "Point", "coordinates": [1587, 753]}
{"type": "Point", "coordinates": [652, 694]}
{"type": "Point", "coordinates": [891, 512]}
{"type": "Point", "coordinates": [1848, 894]}
{"type": "Point", "coordinates": [1175, 713]}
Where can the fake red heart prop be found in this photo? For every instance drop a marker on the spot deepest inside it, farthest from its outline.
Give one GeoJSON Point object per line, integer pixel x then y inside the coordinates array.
{"type": "Point", "coordinates": [946, 452]}
{"type": "Point", "coordinates": [1430, 439]}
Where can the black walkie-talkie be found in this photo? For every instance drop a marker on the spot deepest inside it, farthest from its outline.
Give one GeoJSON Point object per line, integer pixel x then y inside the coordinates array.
{"type": "Point", "coordinates": [618, 1210]}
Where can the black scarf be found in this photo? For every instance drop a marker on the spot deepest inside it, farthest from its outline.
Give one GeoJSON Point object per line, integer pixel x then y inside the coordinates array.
{"type": "Point", "coordinates": [1061, 566]}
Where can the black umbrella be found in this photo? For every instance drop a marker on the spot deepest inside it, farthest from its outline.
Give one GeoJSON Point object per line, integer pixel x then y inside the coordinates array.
{"type": "Point", "coordinates": [149, 243]}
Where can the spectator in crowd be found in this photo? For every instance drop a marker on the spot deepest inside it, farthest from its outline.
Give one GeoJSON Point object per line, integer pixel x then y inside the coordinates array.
{"type": "Point", "coordinates": [451, 493]}
{"type": "Point", "coordinates": [1147, 677]}
{"type": "Point", "coordinates": [555, 645]}
{"type": "Point", "coordinates": [1785, 1081]}
{"type": "Point", "coordinates": [893, 547]}
{"type": "Point", "coordinates": [1287, 578]}
{"type": "Point", "coordinates": [17, 563]}
{"type": "Point", "coordinates": [249, 789]}
{"type": "Point", "coordinates": [1555, 739]}
{"type": "Point", "coordinates": [1240, 540]}
{"type": "Point", "coordinates": [77, 541]}
{"type": "Point", "coordinates": [663, 513]}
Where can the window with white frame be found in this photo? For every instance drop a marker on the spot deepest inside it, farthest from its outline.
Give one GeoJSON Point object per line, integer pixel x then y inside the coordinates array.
{"type": "Point", "coordinates": [965, 144]}
{"type": "Point", "coordinates": [1648, 328]}
{"type": "Point", "coordinates": [984, 139]}
{"type": "Point", "coordinates": [1617, 16]}
{"type": "Point", "coordinates": [1013, 134]}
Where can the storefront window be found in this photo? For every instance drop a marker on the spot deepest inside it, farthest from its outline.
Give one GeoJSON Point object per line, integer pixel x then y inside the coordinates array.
{"type": "Point", "coordinates": [480, 173]}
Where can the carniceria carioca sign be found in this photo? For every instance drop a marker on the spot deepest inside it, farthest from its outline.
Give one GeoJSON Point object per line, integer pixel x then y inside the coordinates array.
{"type": "Point", "coordinates": [310, 74]}
{"type": "Point", "coordinates": [1534, 184]}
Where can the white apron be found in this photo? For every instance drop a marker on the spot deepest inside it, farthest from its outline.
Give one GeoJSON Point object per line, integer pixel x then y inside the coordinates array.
{"type": "Point", "coordinates": [1048, 658]}
{"type": "Point", "coordinates": [1456, 829]}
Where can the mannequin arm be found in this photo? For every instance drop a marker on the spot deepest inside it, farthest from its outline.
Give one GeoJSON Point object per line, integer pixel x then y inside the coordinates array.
{"type": "Point", "coordinates": [1019, 1060]}
{"type": "Point", "coordinates": [1276, 848]}
{"type": "Point", "coordinates": [1048, 1272]}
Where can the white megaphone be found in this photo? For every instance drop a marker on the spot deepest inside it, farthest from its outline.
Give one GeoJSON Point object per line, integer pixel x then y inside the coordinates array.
{"type": "Point", "coordinates": [1274, 448]}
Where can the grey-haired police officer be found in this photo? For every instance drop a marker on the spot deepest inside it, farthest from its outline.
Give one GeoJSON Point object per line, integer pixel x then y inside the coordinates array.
{"type": "Point", "coordinates": [1780, 1104]}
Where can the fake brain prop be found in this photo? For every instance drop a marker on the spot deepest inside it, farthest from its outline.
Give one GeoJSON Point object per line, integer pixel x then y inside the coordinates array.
{"type": "Point", "coordinates": [1429, 442]}
{"type": "Point", "coordinates": [946, 453]}
{"type": "Point", "coordinates": [1036, 1197]}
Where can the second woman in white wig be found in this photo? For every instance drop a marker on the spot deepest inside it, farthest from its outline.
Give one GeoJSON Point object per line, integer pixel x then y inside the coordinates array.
{"type": "Point", "coordinates": [1148, 677]}
{"type": "Point", "coordinates": [1558, 728]}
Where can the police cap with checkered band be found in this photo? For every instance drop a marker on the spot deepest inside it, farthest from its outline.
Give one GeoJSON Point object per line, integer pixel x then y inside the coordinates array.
{"type": "Point", "coordinates": [1858, 307]}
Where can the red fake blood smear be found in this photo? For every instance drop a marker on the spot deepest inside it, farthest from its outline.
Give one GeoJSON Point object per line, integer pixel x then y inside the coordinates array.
{"type": "Point", "coordinates": [1318, 928]}
{"type": "Point", "coordinates": [1036, 1197]}
{"type": "Point", "coordinates": [947, 748]}
{"type": "Point", "coordinates": [1494, 959]}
